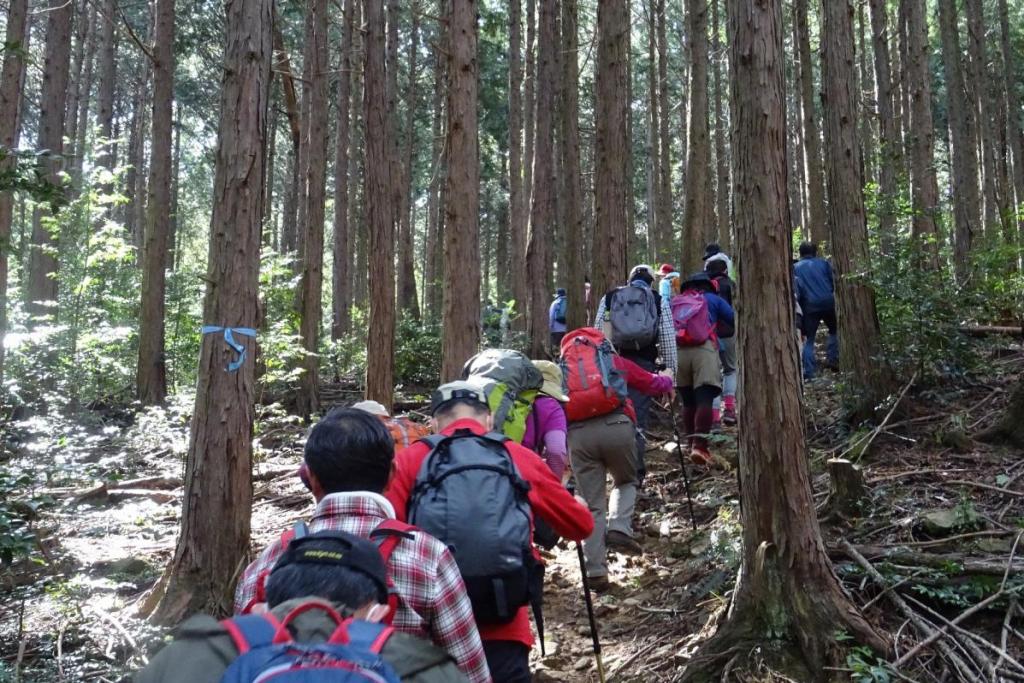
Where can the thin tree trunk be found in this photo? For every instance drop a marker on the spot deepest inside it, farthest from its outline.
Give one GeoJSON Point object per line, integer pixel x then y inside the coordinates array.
{"type": "Point", "coordinates": [652, 150]}
{"type": "Point", "coordinates": [218, 470]}
{"type": "Point", "coordinates": [341, 294]}
{"type": "Point", "coordinates": [699, 214]}
{"type": "Point", "coordinates": [11, 80]}
{"type": "Point", "coordinates": [611, 146]}
{"type": "Point", "coordinates": [517, 201]}
{"type": "Point", "coordinates": [41, 293]}
{"type": "Point", "coordinates": [151, 371]}
{"type": "Point", "coordinates": [432, 273]}
{"type": "Point", "coordinates": [800, 158]}
{"type": "Point", "coordinates": [529, 127]}
{"type": "Point", "coordinates": [542, 206]}
{"type": "Point", "coordinates": [78, 90]}
{"type": "Point", "coordinates": [574, 237]}
{"type": "Point", "coordinates": [665, 221]}
{"type": "Point", "coordinates": [81, 128]}
{"type": "Point", "coordinates": [108, 81]}
{"type": "Point", "coordinates": [461, 319]}
{"type": "Point", "coordinates": [379, 210]}
{"type": "Point", "coordinates": [890, 147]}
{"type": "Point", "coordinates": [1014, 131]}
{"type": "Point", "coordinates": [981, 102]}
{"type": "Point", "coordinates": [724, 220]}
{"type": "Point", "coordinates": [407, 299]}
{"type": "Point", "coordinates": [964, 129]}
{"type": "Point", "coordinates": [812, 130]}
{"type": "Point", "coordinates": [865, 85]}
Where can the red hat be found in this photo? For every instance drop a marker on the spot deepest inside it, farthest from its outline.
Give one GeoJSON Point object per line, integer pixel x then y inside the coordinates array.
{"type": "Point", "coordinates": [667, 268]}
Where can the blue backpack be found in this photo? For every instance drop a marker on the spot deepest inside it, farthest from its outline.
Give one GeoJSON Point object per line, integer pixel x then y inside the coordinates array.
{"type": "Point", "coordinates": [267, 653]}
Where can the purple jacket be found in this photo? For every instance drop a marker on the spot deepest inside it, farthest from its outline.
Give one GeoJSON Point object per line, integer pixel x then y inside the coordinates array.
{"type": "Point", "coordinates": [546, 433]}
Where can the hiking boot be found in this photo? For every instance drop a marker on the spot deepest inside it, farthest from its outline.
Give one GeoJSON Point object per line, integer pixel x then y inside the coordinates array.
{"type": "Point", "coordinates": [621, 543]}
{"type": "Point", "coordinates": [729, 417]}
{"type": "Point", "coordinates": [699, 455]}
{"type": "Point", "coordinates": [599, 584]}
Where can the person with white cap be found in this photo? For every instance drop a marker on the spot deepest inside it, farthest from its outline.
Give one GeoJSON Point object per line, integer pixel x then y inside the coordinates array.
{"type": "Point", "coordinates": [403, 430]}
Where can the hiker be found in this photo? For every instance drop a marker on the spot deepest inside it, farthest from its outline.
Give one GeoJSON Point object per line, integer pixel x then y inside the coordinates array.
{"type": "Point", "coordinates": [546, 426]}
{"type": "Point", "coordinates": [323, 583]}
{"type": "Point", "coordinates": [638, 322]}
{"type": "Point", "coordinates": [349, 456]}
{"type": "Point", "coordinates": [668, 283]}
{"type": "Point", "coordinates": [724, 407]}
{"type": "Point", "coordinates": [511, 383]}
{"type": "Point", "coordinates": [816, 295]}
{"type": "Point", "coordinates": [713, 251]}
{"type": "Point", "coordinates": [556, 317]}
{"type": "Point", "coordinates": [602, 440]}
{"type": "Point", "coordinates": [696, 312]}
{"type": "Point", "coordinates": [403, 430]}
{"type": "Point", "coordinates": [479, 493]}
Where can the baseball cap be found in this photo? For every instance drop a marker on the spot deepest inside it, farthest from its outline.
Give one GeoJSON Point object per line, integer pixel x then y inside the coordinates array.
{"type": "Point", "coordinates": [371, 407]}
{"type": "Point", "coordinates": [341, 550]}
{"type": "Point", "coordinates": [451, 391]}
{"type": "Point", "coordinates": [712, 249]}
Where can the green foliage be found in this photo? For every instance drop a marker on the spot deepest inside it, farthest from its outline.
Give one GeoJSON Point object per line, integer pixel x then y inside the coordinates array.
{"type": "Point", "coordinates": [866, 667]}
{"type": "Point", "coordinates": [281, 349]}
{"type": "Point", "coordinates": [17, 541]}
{"type": "Point", "coordinates": [28, 174]}
{"type": "Point", "coordinates": [418, 353]}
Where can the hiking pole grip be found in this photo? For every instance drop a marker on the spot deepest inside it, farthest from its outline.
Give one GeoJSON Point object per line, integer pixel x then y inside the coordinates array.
{"type": "Point", "coordinates": [590, 611]}
{"type": "Point", "coordinates": [682, 463]}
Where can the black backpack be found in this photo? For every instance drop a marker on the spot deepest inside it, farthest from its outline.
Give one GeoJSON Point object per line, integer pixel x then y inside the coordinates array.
{"type": "Point", "coordinates": [469, 495]}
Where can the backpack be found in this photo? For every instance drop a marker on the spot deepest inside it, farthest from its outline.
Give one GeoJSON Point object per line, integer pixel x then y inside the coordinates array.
{"type": "Point", "coordinates": [691, 318]}
{"type": "Point", "coordinates": [589, 376]}
{"type": "Point", "coordinates": [267, 652]}
{"type": "Point", "coordinates": [633, 314]}
{"type": "Point", "coordinates": [560, 310]}
{"type": "Point", "coordinates": [404, 431]}
{"type": "Point", "coordinates": [469, 495]}
{"type": "Point", "coordinates": [511, 383]}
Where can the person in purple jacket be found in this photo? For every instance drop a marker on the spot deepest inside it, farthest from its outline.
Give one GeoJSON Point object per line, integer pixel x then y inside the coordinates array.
{"type": "Point", "coordinates": [546, 426]}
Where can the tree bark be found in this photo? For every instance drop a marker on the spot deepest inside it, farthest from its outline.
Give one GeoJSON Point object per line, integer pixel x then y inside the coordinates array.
{"type": "Point", "coordinates": [655, 235]}
{"type": "Point", "coordinates": [341, 294]}
{"type": "Point", "coordinates": [432, 273]}
{"type": "Point", "coordinates": [722, 193]}
{"type": "Point", "coordinates": [315, 172]}
{"type": "Point", "coordinates": [699, 211]}
{"type": "Point", "coordinates": [812, 131]}
{"type": "Point", "coordinates": [1009, 429]}
{"type": "Point", "coordinates": [517, 201]}
{"type": "Point", "coordinates": [864, 86]}
{"type": "Point", "coordinates": [611, 147]}
{"type": "Point", "coordinates": [380, 346]}
{"type": "Point", "coordinates": [890, 146]}
{"type": "Point", "coordinates": [542, 205]}
{"type": "Point", "coordinates": [787, 589]}
{"type": "Point", "coordinates": [665, 222]}
{"type": "Point", "coordinates": [461, 319]}
{"type": "Point", "coordinates": [981, 102]}
{"type": "Point", "coordinates": [11, 79]}
{"type": "Point", "coordinates": [151, 372]}
{"type": "Point", "coordinates": [529, 128]}
{"type": "Point", "coordinates": [576, 314]}
{"type": "Point", "coordinates": [108, 81]}
{"type": "Point", "coordinates": [407, 299]}
{"type": "Point", "coordinates": [215, 521]}
{"type": "Point", "coordinates": [964, 129]}
{"type": "Point", "coordinates": [84, 42]}
{"type": "Point", "coordinates": [41, 293]}
{"type": "Point", "coordinates": [1015, 133]}
{"type": "Point", "coordinates": [855, 303]}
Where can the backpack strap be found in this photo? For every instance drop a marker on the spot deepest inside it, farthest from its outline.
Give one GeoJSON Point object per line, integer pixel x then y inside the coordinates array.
{"type": "Point", "coordinates": [300, 530]}
{"type": "Point", "coordinates": [387, 536]}
{"type": "Point", "coordinates": [367, 636]}
{"type": "Point", "coordinates": [252, 631]}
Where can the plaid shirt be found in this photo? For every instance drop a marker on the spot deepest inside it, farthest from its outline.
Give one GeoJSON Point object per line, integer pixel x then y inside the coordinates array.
{"type": "Point", "coordinates": [666, 332]}
{"type": "Point", "coordinates": [432, 600]}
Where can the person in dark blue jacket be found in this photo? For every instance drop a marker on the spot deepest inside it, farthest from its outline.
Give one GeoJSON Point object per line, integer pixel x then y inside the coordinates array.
{"type": "Point", "coordinates": [816, 294]}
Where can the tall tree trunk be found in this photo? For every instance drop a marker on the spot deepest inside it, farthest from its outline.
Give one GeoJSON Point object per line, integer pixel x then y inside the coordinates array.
{"type": "Point", "coordinates": [1014, 131]}
{"type": "Point", "coordinates": [699, 213]}
{"type": "Point", "coordinates": [574, 268]}
{"type": "Point", "coordinates": [723, 219]}
{"type": "Point", "coordinates": [865, 85]}
{"type": "Point", "coordinates": [981, 102]}
{"type": "Point", "coordinates": [855, 303]}
{"type": "Point", "coordinates": [529, 127]}
{"type": "Point", "coordinates": [282, 65]}
{"type": "Point", "coordinates": [315, 171]}
{"type": "Point", "coordinates": [461, 320]}
{"type": "Point", "coordinates": [407, 300]}
{"type": "Point", "coordinates": [542, 205]}
{"type": "Point", "coordinates": [432, 272]}
{"type": "Point", "coordinates": [380, 346]}
{"type": "Point", "coordinates": [787, 590]}
{"type": "Point", "coordinates": [151, 371]}
{"type": "Point", "coordinates": [655, 243]}
{"type": "Point", "coordinates": [924, 188]}
{"type": "Point", "coordinates": [812, 130]}
{"type": "Point", "coordinates": [135, 178]}
{"type": "Point", "coordinates": [799, 160]}
{"type": "Point", "coordinates": [41, 293]}
{"type": "Point", "coordinates": [665, 222]}
{"type": "Point", "coordinates": [84, 40]}
{"type": "Point", "coordinates": [517, 202]}
{"type": "Point", "coordinates": [11, 79]}
{"type": "Point", "coordinates": [964, 128]}
{"type": "Point", "coordinates": [108, 81]}
{"type": "Point", "coordinates": [890, 147]}
{"type": "Point", "coordinates": [79, 132]}
{"type": "Point", "coordinates": [341, 294]}
{"type": "Point", "coordinates": [611, 147]}
{"type": "Point", "coordinates": [214, 538]}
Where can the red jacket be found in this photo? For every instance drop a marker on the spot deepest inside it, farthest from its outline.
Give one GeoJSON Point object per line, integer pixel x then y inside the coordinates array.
{"type": "Point", "coordinates": [548, 499]}
{"type": "Point", "coordinates": [647, 383]}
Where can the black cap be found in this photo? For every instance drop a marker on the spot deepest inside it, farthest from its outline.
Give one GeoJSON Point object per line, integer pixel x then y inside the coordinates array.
{"type": "Point", "coordinates": [560, 291]}
{"type": "Point", "coordinates": [342, 550]}
{"type": "Point", "coordinates": [699, 280]}
{"type": "Point", "coordinates": [711, 250]}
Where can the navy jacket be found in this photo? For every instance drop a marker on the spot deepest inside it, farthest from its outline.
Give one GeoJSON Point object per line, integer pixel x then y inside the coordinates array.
{"type": "Point", "coordinates": [719, 309]}
{"type": "Point", "coordinates": [815, 289]}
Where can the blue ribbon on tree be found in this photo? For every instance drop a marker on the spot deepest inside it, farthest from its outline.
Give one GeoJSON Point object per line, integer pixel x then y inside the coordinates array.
{"type": "Point", "coordinates": [229, 337]}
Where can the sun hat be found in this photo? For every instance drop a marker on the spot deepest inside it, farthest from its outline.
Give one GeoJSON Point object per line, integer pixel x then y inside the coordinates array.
{"type": "Point", "coordinates": [552, 380]}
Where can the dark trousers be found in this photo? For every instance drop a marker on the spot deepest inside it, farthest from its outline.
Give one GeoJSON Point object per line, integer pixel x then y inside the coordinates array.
{"type": "Point", "coordinates": [642, 405]}
{"type": "Point", "coordinates": [556, 343]}
{"type": "Point", "coordinates": [809, 327]}
{"type": "Point", "coordinates": [508, 660]}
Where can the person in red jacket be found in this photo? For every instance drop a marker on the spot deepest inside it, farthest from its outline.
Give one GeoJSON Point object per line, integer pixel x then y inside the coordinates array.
{"type": "Point", "coordinates": [463, 406]}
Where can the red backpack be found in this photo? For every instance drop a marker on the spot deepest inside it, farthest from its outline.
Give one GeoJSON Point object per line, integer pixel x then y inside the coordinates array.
{"type": "Point", "coordinates": [589, 376]}
{"type": "Point", "coordinates": [691, 318]}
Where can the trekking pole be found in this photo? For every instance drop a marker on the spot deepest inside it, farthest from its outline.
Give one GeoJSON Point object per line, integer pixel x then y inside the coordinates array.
{"type": "Point", "coordinates": [590, 612]}
{"type": "Point", "coordinates": [682, 462]}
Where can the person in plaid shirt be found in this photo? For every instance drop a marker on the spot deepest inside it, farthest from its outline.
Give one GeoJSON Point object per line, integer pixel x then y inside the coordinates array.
{"type": "Point", "coordinates": [348, 462]}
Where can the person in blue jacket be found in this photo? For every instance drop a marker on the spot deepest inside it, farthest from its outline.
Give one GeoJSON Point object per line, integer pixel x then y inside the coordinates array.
{"type": "Point", "coordinates": [816, 294]}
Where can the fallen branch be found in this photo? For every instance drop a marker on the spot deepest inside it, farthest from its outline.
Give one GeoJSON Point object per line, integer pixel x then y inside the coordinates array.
{"type": "Point", "coordinates": [147, 483]}
{"type": "Point", "coordinates": [989, 487]}
{"type": "Point", "coordinates": [900, 555]}
{"type": "Point", "coordinates": [986, 330]}
{"type": "Point", "coordinates": [874, 434]}
{"type": "Point", "coordinates": [914, 473]}
{"type": "Point", "coordinates": [949, 624]}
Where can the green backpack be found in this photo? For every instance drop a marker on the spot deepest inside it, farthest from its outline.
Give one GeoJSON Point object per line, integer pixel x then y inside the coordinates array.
{"type": "Point", "coordinates": [511, 383]}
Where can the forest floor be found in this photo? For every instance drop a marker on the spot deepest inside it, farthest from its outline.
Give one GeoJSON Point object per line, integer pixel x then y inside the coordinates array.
{"type": "Point", "coordinates": [947, 510]}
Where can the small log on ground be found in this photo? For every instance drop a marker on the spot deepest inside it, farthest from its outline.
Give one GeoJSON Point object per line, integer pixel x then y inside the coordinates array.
{"type": "Point", "coordinates": [160, 497]}
{"type": "Point", "coordinates": [147, 483]}
{"type": "Point", "coordinates": [914, 558]}
{"type": "Point", "coordinates": [98, 491]}
{"type": "Point", "coordinates": [987, 330]}
{"type": "Point", "coordinates": [847, 485]}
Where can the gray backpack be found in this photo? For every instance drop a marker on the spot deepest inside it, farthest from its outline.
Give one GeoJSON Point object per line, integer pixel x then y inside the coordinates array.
{"type": "Point", "coordinates": [469, 495]}
{"type": "Point", "coordinates": [633, 314]}
{"type": "Point", "coordinates": [510, 382]}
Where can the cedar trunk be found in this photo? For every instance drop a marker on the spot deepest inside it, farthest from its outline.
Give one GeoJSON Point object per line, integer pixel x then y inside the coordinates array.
{"type": "Point", "coordinates": [108, 81]}
{"type": "Point", "coordinates": [380, 223]}
{"type": "Point", "coordinates": [1009, 429]}
{"type": "Point", "coordinates": [665, 223]}
{"type": "Point", "coordinates": [517, 202]}
{"type": "Point", "coordinates": [542, 205]}
{"type": "Point", "coordinates": [215, 520]}
{"type": "Point", "coordinates": [855, 303]}
{"type": "Point", "coordinates": [811, 129]}
{"type": "Point", "coordinates": [786, 588]}
{"type": "Point", "coordinates": [576, 313]}
{"type": "Point", "coordinates": [1014, 132]}
{"type": "Point", "coordinates": [699, 210]}
{"type": "Point", "coordinates": [723, 219]}
{"type": "Point", "coordinates": [11, 79]}
{"type": "Point", "coordinates": [890, 147]}
{"type": "Point", "coordinates": [461, 318]}
{"type": "Point", "coordinates": [981, 101]}
{"type": "Point", "coordinates": [611, 146]}
{"type": "Point", "coordinates": [407, 300]}
{"type": "Point", "coordinates": [341, 294]}
{"type": "Point", "coordinates": [152, 365]}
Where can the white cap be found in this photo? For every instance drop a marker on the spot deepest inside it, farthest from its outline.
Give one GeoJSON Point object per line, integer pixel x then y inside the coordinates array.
{"type": "Point", "coordinates": [371, 407]}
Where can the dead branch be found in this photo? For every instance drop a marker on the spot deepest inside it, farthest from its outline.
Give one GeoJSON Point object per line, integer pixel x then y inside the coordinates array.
{"type": "Point", "coordinates": [919, 559]}
{"type": "Point", "coordinates": [990, 487]}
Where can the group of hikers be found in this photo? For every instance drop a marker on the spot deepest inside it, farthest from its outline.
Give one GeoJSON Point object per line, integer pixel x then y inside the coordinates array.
{"type": "Point", "coordinates": [422, 559]}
